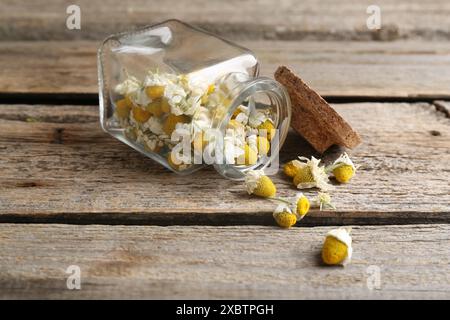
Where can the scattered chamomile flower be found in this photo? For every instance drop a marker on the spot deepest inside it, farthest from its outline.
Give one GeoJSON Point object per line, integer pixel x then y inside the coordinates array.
{"type": "Point", "coordinates": [299, 204]}
{"type": "Point", "coordinates": [311, 175]}
{"type": "Point", "coordinates": [323, 201]}
{"type": "Point", "coordinates": [343, 168]}
{"type": "Point", "coordinates": [302, 205]}
{"type": "Point", "coordinates": [257, 183]}
{"type": "Point", "coordinates": [284, 216]}
{"type": "Point", "coordinates": [291, 168]}
{"type": "Point", "coordinates": [337, 248]}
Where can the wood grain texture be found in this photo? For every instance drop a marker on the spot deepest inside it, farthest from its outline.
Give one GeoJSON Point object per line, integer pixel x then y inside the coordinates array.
{"type": "Point", "coordinates": [57, 165]}
{"type": "Point", "coordinates": [342, 69]}
{"type": "Point", "coordinates": [288, 19]}
{"type": "Point", "coordinates": [221, 262]}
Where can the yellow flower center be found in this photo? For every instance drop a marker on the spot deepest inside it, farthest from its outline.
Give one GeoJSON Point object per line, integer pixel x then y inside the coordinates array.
{"type": "Point", "coordinates": [290, 169]}
{"type": "Point", "coordinates": [211, 88]}
{"type": "Point", "coordinates": [123, 107]}
{"type": "Point", "coordinates": [265, 187]}
{"type": "Point", "coordinates": [251, 156]}
{"type": "Point", "coordinates": [165, 106]}
{"type": "Point", "coordinates": [333, 251]}
{"type": "Point", "coordinates": [344, 173]}
{"type": "Point", "coordinates": [171, 122]}
{"type": "Point", "coordinates": [154, 92]}
{"type": "Point", "coordinates": [285, 219]}
{"type": "Point", "coordinates": [303, 206]}
{"type": "Point", "coordinates": [267, 125]}
{"type": "Point", "coordinates": [155, 107]}
{"type": "Point", "coordinates": [140, 115]}
{"type": "Point", "coordinates": [303, 175]}
{"type": "Point", "coordinates": [235, 125]}
{"type": "Point", "coordinates": [263, 145]}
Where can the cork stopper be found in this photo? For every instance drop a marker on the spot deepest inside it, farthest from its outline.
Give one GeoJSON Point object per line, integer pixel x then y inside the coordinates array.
{"type": "Point", "coordinates": [313, 117]}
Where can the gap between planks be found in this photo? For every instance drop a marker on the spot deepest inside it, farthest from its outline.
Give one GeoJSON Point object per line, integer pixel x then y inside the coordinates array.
{"type": "Point", "coordinates": [91, 99]}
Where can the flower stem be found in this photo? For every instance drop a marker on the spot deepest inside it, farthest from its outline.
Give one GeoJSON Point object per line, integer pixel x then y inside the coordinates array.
{"type": "Point", "coordinates": [280, 200]}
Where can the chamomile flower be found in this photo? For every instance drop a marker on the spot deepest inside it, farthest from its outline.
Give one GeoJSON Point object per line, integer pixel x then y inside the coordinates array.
{"type": "Point", "coordinates": [154, 79]}
{"type": "Point", "coordinates": [234, 146]}
{"type": "Point", "coordinates": [323, 201]}
{"type": "Point", "coordinates": [141, 98]}
{"type": "Point", "coordinates": [269, 127]}
{"type": "Point", "coordinates": [284, 216]}
{"type": "Point", "coordinates": [311, 175]}
{"type": "Point", "coordinates": [302, 205]}
{"type": "Point", "coordinates": [241, 114]}
{"type": "Point", "coordinates": [128, 87]}
{"type": "Point", "coordinates": [257, 183]}
{"type": "Point", "coordinates": [176, 96]}
{"type": "Point", "coordinates": [154, 125]}
{"type": "Point", "coordinates": [140, 115]}
{"type": "Point", "coordinates": [123, 107]}
{"type": "Point", "coordinates": [171, 122]}
{"type": "Point", "coordinates": [291, 168]}
{"type": "Point", "coordinates": [242, 118]}
{"type": "Point", "coordinates": [337, 248]}
{"type": "Point", "coordinates": [256, 118]}
{"type": "Point", "coordinates": [299, 204]}
{"type": "Point", "coordinates": [343, 168]}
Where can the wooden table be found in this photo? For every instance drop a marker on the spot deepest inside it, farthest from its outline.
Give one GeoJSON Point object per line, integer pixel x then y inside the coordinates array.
{"type": "Point", "coordinates": [72, 195]}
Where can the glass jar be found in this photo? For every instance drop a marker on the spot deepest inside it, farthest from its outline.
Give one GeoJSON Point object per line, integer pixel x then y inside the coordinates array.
{"type": "Point", "coordinates": [187, 98]}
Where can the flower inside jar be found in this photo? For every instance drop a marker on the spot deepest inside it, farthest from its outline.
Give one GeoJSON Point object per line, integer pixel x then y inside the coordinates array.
{"type": "Point", "coordinates": [159, 109]}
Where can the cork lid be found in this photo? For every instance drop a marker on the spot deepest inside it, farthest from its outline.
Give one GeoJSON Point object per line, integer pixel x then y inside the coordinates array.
{"type": "Point", "coordinates": [313, 118]}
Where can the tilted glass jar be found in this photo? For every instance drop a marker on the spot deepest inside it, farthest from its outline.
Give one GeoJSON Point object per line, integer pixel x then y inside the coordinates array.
{"type": "Point", "coordinates": [186, 98]}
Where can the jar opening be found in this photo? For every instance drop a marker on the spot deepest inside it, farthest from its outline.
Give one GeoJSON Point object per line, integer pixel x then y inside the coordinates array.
{"type": "Point", "coordinates": [258, 96]}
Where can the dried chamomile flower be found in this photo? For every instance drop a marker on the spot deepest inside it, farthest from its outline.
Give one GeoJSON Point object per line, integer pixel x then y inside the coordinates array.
{"type": "Point", "coordinates": [291, 168]}
{"type": "Point", "coordinates": [269, 127]}
{"type": "Point", "coordinates": [343, 168]}
{"type": "Point", "coordinates": [140, 115]}
{"type": "Point", "coordinates": [257, 183]}
{"type": "Point", "coordinates": [155, 92]}
{"type": "Point", "coordinates": [284, 216]}
{"type": "Point", "coordinates": [129, 87]}
{"type": "Point", "coordinates": [171, 122]}
{"type": "Point", "coordinates": [311, 175]}
{"type": "Point", "coordinates": [299, 204]}
{"type": "Point", "coordinates": [302, 205]}
{"type": "Point", "coordinates": [263, 145]}
{"type": "Point", "coordinates": [323, 201]}
{"type": "Point", "coordinates": [123, 107]}
{"type": "Point", "coordinates": [251, 155]}
{"type": "Point", "coordinates": [337, 248]}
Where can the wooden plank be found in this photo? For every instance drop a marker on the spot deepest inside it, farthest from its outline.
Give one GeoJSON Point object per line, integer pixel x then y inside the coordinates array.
{"type": "Point", "coordinates": [221, 262]}
{"type": "Point", "coordinates": [289, 19]}
{"type": "Point", "coordinates": [362, 69]}
{"type": "Point", "coordinates": [57, 165]}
